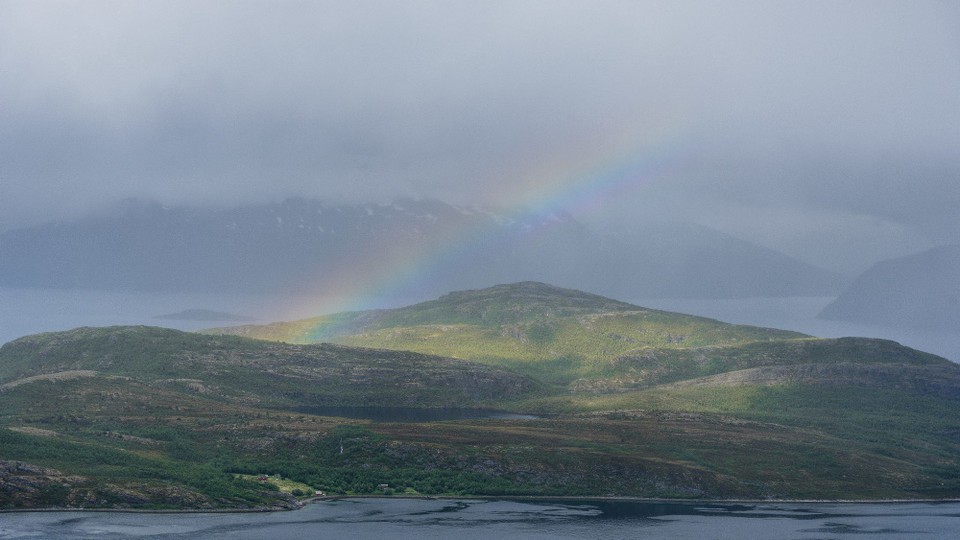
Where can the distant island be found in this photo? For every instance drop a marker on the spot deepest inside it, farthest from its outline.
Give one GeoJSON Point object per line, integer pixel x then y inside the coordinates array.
{"type": "Point", "coordinates": [204, 315]}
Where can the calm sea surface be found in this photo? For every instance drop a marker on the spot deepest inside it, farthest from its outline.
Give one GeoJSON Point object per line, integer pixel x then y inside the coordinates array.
{"type": "Point", "coordinates": [466, 519]}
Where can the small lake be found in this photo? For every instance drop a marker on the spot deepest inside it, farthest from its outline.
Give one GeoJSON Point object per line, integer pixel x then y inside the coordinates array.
{"type": "Point", "coordinates": [411, 414]}
{"type": "Point", "coordinates": [528, 519]}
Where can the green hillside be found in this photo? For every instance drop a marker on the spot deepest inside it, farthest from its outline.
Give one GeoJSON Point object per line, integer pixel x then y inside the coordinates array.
{"type": "Point", "coordinates": [619, 400]}
{"type": "Point", "coordinates": [254, 372]}
{"type": "Point", "coordinates": [558, 335]}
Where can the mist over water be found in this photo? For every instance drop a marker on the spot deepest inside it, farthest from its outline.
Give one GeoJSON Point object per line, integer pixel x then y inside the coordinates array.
{"type": "Point", "coordinates": [25, 311]}
{"type": "Point", "coordinates": [800, 314]}
{"type": "Point", "coordinates": [827, 135]}
{"type": "Point", "coordinates": [361, 149]}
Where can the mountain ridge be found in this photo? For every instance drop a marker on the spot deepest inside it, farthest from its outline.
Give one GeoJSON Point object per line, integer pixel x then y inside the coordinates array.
{"type": "Point", "coordinates": [285, 247]}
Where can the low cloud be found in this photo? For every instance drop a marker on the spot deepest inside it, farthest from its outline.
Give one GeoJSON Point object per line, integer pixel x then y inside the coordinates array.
{"type": "Point", "coordinates": [806, 110]}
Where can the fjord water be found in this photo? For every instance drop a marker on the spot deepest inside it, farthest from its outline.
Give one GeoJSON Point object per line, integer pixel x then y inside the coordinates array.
{"type": "Point", "coordinates": [468, 519]}
{"type": "Point", "coordinates": [26, 311]}
{"type": "Point", "coordinates": [800, 314]}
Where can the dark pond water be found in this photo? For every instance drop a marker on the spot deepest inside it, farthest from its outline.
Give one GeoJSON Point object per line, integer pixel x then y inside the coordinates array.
{"type": "Point", "coordinates": [545, 519]}
{"type": "Point", "coordinates": [410, 414]}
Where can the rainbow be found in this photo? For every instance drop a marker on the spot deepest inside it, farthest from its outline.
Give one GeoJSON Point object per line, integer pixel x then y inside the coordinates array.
{"type": "Point", "coordinates": [573, 182]}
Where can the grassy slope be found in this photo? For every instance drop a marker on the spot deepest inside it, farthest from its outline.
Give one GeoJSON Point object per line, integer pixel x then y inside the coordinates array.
{"type": "Point", "coordinates": [642, 403]}
{"type": "Point", "coordinates": [850, 397]}
{"type": "Point", "coordinates": [141, 446]}
{"type": "Point", "coordinates": [123, 443]}
{"type": "Point", "coordinates": [247, 371]}
{"type": "Point", "coordinates": [148, 417]}
{"type": "Point", "coordinates": [557, 335]}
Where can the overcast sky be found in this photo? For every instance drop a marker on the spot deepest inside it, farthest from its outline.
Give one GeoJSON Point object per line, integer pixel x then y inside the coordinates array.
{"type": "Point", "coordinates": [829, 130]}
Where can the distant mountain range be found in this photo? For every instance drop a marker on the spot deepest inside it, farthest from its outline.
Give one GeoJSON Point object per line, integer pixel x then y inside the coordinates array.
{"type": "Point", "coordinates": [203, 315]}
{"type": "Point", "coordinates": [284, 247]}
{"type": "Point", "coordinates": [919, 291]}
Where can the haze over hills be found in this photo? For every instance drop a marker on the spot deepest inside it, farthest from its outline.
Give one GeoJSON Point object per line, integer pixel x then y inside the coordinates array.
{"type": "Point", "coordinates": [570, 338]}
{"type": "Point", "coordinates": [196, 314]}
{"type": "Point", "coordinates": [919, 291]}
{"type": "Point", "coordinates": [303, 243]}
{"type": "Point", "coordinates": [715, 156]}
{"type": "Point", "coordinates": [620, 400]}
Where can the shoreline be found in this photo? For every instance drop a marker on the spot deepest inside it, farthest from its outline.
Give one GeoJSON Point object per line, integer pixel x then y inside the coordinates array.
{"type": "Point", "coordinates": [651, 500]}
{"type": "Point", "coordinates": [519, 498]}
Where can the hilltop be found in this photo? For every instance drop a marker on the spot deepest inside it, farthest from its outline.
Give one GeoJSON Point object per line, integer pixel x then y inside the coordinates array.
{"type": "Point", "coordinates": [535, 328]}
{"type": "Point", "coordinates": [615, 399]}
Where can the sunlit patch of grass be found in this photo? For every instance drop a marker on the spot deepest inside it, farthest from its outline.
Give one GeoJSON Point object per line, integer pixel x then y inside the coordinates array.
{"type": "Point", "coordinates": [285, 485]}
